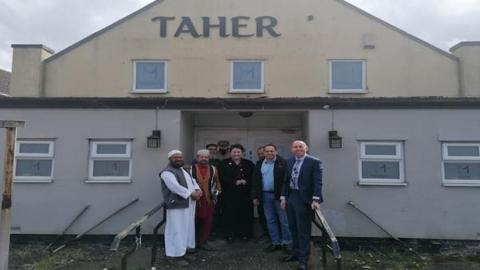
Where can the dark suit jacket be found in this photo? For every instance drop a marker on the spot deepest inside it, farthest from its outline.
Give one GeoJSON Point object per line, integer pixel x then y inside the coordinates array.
{"type": "Point", "coordinates": [279, 174]}
{"type": "Point", "coordinates": [309, 180]}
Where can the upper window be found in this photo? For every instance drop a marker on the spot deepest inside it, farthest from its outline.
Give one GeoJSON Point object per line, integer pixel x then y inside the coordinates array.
{"type": "Point", "coordinates": [150, 77]}
{"type": "Point", "coordinates": [247, 76]}
{"type": "Point", "coordinates": [461, 163]}
{"type": "Point", "coordinates": [110, 161]}
{"type": "Point", "coordinates": [34, 161]}
{"type": "Point", "coordinates": [381, 163]}
{"type": "Point", "coordinates": [348, 76]}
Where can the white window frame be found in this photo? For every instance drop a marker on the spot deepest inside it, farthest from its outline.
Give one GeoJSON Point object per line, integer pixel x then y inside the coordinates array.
{"type": "Point", "coordinates": [247, 91]}
{"type": "Point", "coordinates": [363, 90]}
{"type": "Point", "coordinates": [399, 157]}
{"type": "Point", "coordinates": [458, 159]}
{"type": "Point", "coordinates": [34, 156]}
{"type": "Point", "coordinates": [93, 156]}
{"type": "Point", "coordinates": [149, 91]}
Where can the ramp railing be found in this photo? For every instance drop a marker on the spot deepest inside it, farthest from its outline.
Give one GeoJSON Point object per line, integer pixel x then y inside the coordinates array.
{"type": "Point", "coordinates": [329, 241]}
{"type": "Point", "coordinates": [137, 226]}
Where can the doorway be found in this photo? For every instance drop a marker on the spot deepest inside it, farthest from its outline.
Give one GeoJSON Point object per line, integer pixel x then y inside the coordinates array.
{"type": "Point", "coordinates": [250, 138]}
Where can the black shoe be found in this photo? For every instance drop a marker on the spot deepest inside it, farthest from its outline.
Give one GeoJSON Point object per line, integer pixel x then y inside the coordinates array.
{"type": "Point", "coordinates": [191, 250]}
{"type": "Point", "coordinates": [272, 248]}
{"type": "Point", "coordinates": [302, 266]}
{"type": "Point", "coordinates": [291, 258]}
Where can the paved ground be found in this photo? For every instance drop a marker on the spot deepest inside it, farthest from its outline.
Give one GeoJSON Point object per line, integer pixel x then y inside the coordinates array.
{"type": "Point", "coordinates": [242, 255]}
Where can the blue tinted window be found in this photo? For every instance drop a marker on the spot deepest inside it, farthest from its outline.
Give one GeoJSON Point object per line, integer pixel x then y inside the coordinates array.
{"type": "Point", "coordinates": [247, 75]}
{"type": "Point", "coordinates": [347, 75]}
{"type": "Point", "coordinates": [150, 75]}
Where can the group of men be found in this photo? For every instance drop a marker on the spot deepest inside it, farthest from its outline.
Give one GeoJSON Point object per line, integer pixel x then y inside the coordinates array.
{"type": "Point", "coordinates": [288, 191]}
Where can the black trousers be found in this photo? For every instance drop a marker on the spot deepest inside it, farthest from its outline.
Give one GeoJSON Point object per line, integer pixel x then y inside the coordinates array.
{"type": "Point", "coordinates": [300, 216]}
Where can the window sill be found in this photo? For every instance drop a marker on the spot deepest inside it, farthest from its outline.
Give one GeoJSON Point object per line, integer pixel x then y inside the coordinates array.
{"type": "Point", "coordinates": [90, 181]}
{"type": "Point", "coordinates": [398, 184]}
{"type": "Point", "coordinates": [246, 91]}
{"type": "Point", "coordinates": [452, 184]}
{"type": "Point", "coordinates": [32, 181]}
{"type": "Point", "coordinates": [359, 92]}
{"type": "Point", "coordinates": [149, 91]}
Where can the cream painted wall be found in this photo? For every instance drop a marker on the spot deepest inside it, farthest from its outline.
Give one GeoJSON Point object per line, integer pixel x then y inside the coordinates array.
{"type": "Point", "coordinates": [296, 63]}
{"type": "Point", "coordinates": [469, 54]}
{"type": "Point", "coordinates": [27, 70]}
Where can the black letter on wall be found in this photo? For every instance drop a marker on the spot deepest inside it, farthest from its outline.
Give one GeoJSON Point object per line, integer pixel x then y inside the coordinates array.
{"type": "Point", "coordinates": [222, 25]}
{"type": "Point", "coordinates": [236, 25]}
{"type": "Point", "coordinates": [163, 24]}
{"type": "Point", "coordinates": [189, 28]}
{"type": "Point", "coordinates": [269, 27]}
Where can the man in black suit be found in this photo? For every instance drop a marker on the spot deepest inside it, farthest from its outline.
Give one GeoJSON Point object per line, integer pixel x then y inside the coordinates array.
{"type": "Point", "coordinates": [267, 183]}
{"type": "Point", "coordinates": [301, 195]}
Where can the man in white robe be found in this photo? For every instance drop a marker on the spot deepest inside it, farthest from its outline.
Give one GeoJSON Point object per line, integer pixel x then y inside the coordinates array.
{"type": "Point", "coordinates": [180, 194]}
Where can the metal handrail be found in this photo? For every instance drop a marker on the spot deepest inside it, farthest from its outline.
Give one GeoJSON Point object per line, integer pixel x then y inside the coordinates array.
{"type": "Point", "coordinates": [329, 241]}
{"type": "Point", "coordinates": [137, 226]}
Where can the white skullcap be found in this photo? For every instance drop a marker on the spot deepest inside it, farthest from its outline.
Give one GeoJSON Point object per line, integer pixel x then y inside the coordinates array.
{"type": "Point", "coordinates": [174, 152]}
{"type": "Point", "coordinates": [203, 152]}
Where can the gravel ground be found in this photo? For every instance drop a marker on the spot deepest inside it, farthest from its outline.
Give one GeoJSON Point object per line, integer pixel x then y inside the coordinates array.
{"type": "Point", "coordinates": [241, 255]}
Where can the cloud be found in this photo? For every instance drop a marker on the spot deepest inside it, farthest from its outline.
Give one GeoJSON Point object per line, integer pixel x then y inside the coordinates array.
{"type": "Point", "coordinates": [56, 24]}
{"type": "Point", "coordinates": [442, 23]}
{"type": "Point", "coordinates": [60, 23]}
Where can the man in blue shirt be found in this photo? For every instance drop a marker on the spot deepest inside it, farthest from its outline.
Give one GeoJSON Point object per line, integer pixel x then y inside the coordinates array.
{"type": "Point", "coordinates": [268, 177]}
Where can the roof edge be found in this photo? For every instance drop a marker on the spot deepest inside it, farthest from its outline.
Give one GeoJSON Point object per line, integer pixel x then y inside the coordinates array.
{"type": "Point", "coordinates": [396, 29]}
{"type": "Point", "coordinates": [464, 43]}
{"type": "Point", "coordinates": [101, 31]}
{"type": "Point", "coordinates": [33, 46]}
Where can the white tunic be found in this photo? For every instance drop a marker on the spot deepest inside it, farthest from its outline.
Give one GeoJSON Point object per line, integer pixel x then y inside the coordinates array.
{"type": "Point", "coordinates": [180, 227]}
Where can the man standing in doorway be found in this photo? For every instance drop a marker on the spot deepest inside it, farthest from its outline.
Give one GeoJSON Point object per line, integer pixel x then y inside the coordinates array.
{"type": "Point", "coordinates": [268, 178]}
{"type": "Point", "coordinates": [207, 178]}
{"type": "Point", "coordinates": [213, 151]}
{"type": "Point", "coordinates": [180, 193]}
{"type": "Point", "coordinates": [301, 195]}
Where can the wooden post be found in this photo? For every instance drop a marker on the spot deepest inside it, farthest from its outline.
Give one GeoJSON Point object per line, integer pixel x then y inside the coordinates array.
{"type": "Point", "coordinates": [5, 215]}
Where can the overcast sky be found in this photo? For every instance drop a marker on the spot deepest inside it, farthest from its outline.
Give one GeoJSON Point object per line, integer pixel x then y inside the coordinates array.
{"type": "Point", "coordinates": [60, 23]}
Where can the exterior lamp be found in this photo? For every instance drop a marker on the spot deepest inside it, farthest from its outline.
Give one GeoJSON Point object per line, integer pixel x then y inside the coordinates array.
{"type": "Point", "coordinates": [153, 141]}
{"type": "Point", "coordinates": [334, 141]}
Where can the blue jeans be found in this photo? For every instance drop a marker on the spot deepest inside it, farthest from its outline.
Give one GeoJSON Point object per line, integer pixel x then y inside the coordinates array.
{"type": "Point", "coordinates": [279, 233]}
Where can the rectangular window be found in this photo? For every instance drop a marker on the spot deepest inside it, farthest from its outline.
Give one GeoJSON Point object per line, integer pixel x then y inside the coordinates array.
{"type": "Point", "coordinates": [150, 76]}
{"type": "Point", "coordinates": [34, 161]}
{"type": "Point", "coordinates": [381, 163]}
{"type": "Point", "coordinates": [348, 76]}
{"type": "Point", "coordinates": [110, 161]}
{"type": "Point", "coordinates": [461, 164]}
{"type": "Point", "coordinates": [247, 76]}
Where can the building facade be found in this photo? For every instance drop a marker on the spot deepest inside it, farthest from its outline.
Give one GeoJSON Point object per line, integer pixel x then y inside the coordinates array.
{"type": "Point", "coordinates": [250, 72]}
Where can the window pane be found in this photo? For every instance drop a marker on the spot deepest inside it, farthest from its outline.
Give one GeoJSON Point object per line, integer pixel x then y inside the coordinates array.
{"type": "Point", "coordinates": [34, 148]}
{"type": "Point", "coordinates": [111, 168]}
{"type": "Point", "coordinates": [384, 150]}
{"type": "Point", "coordinates": [347, 75]}
{"type": "Point", "coordinates": [464, 171]}
{"type": "Point", "coordinates": [380, 170]}
{"type": "Point", "coordinates": [116, 149]}
{"type": "Point", "coordinates": [31, 167]}
{"type": "Point", "coordinates": [247, 75]}
{"type": "Point", "coordinates": [150, 75]}
{"type": "Point", "coordinates": [463, 151]}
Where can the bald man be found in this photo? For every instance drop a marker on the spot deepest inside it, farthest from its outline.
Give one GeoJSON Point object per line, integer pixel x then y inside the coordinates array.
{"type": "Point", "coordinates": [301, 194]}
